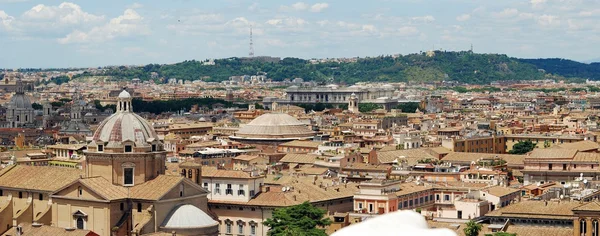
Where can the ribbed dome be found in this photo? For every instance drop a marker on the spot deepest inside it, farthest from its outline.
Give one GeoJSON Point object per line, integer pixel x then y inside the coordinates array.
{"type": "Point", "coordinates": [125, 126]}
{"type": "Point", "coordinates": [20, 101]}
{"type": "Point", "coordinates": [274, 126]}
{"type": "Point", "coordinates": [188, 216]}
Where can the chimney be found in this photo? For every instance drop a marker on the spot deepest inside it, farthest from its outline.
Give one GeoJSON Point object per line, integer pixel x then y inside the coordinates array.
{"type": "Point", "coordinates": [267, 189]}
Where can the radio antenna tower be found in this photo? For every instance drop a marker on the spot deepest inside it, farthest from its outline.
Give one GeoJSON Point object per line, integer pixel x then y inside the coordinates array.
{"type": "Point", "coordinates": [251, 53]}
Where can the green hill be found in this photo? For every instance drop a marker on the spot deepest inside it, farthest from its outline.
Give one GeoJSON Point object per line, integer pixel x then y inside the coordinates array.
{"type": "Point", "coordinates": [465, 67]}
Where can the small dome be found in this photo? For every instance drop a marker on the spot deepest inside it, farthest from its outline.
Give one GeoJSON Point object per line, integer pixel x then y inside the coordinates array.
{"type": "Point", "coordinates": [188, 216]}
{"type": "Point", "coordinates": [124, 94]}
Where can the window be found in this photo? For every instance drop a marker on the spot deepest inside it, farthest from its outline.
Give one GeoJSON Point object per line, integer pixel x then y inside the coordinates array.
{"type": "Point", "coordinates": [437, 197]}
{"type": "Point", "coordinates": [241, 192]}
{"type": "Point", "coordinates": [80, 191]}
{"type": "Point", "coordinates": [228, 190]}
{"type": "Point", "coordinates": [20, 194]}
{"type": "Point", "coordinates": [564, 166]}
{"type": "Point", "coordinates": [139, 207]}
{"type": "Point", "coordinates": [101, 148]}
{"type": "Point", "coordinates": [128, 176]}
{"type": "Point", "coordinates": [252, 229]}
{"type": "Point", "coordinates": [240, 228]}
{"type": "Point", "coordinates": [41, 197]}
{"type": "Point", "coordinates": [252, 209]}
{"type": "Point", "coordinates": [446, 197]}
{"type": "Point", "coordinates": [128, 148]}
{"type": "Point", "coordinates": [251, 193]}
{"type": "Point", "coordinates": [122, 206]}
{"type": "Point", "coordinates": [154, 147]}
{"type": "Point", "coordinates": [206, 185]}
{"type": "Point", "coordinates": [575, 166]}
{"type": "Point", "coordinates": [218, 188]}
{"type": "Point", "coordinates": [370, 208]}
{"type": "Point", "coordinates": [80, 223]}
{"type": "Point", "coordinates": [360, 206]}
{"type": "Point", "coordinates": [549, 166]}
{"type": "Point", "coordinates": [228, 227]}
{"type": "Point", "coordinates": [1, 193]}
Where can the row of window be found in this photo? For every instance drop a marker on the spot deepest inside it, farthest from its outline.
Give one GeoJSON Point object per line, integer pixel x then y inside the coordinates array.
{"type": "Point", "coordinates": [229, 189]}
{"type": "Point", "coordinates": [128, 148]}
{"type": "Point", "coordinates": [40, 196]}
{"type": "Point", "coordinates": [240, 228]}
{"type": "Point", "coordinates": [419, 201]}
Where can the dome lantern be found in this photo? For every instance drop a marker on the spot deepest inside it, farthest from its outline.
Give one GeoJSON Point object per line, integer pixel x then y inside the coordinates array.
{"type": "Point", "coordinates": [124, 102]}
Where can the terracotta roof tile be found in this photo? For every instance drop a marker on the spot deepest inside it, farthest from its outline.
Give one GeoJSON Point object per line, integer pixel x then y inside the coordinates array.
{"type": "Point", "coordinates": [156, 188]}
{"type": "Point", "coordinates": [40, 178]}
{"type": "Point", "coordinates": [105, 188]}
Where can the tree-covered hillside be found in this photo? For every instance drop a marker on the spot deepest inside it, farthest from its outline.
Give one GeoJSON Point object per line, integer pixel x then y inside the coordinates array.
{"type": "Point", "coordinates": [567, 68]}
{"type": "Point", "coordinates": [463, 67]}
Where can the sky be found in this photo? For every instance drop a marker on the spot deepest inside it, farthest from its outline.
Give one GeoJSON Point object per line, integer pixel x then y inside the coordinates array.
{"type": "Point", "coordinates": [51, 34]}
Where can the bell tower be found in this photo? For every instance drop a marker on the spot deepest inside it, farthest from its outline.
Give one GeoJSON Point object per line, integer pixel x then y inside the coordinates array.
{"type": "Point", "coordinates": [353, 104]}
{"type": "Point", "coordinates": [192, 171]}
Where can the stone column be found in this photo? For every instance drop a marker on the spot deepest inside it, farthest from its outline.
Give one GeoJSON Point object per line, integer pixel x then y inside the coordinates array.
{"type": "Point", "coordinates": [588, 226]}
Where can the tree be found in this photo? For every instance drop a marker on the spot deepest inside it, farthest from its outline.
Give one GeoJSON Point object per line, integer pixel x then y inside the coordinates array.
{"type": "Point", "coordinates": [301, 220]}
{"type": "Point", "coordinates": [547, 144]}
{"type": "Point", "coordinates": [409, 107]}
{"type": "Point", "coordinates": [472, 228]}
{"type": "Point", "coordinates": [522, 147]}
{"type": "Point", "coordinates": [368, 107]}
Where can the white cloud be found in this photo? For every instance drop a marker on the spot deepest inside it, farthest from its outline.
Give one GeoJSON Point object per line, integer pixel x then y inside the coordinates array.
{"type": "Point", "coordinates": [506, 13]}
{"type": "Point", "coordinates": [301, 6]}
{"type": "Point", "coordinates": [407, 31]}
{"type": "Point", "coordinates": [548, 20]}
{"type": "Point", "coordinates": [135, 5]}
{"type": "Point", "coordinates": [463, 17]}
{"type": "Point", "coordinates": [589, 13]}
{"type": "Point", "coordinates": [5, 20]}
{"type": "Point", "coordinates": [537, 3]}
{"type": "Point", "coordinates": [129, 24]}
{"type": "Point", "coordinates": [287, 22]}
{"type": "Point", "coordinates": [423, 19]}
{"type": "Point", "coordinates": [318, 7]}
{"type": "Point", "coordinates": [64, 14]}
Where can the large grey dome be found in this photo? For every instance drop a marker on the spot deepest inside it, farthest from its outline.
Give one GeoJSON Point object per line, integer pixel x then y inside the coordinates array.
{"type": "Point", "coordinates": [188, 216]}
{"type": "Point", "coordinates": [274, 126]}
{"type": "Point", "coordinates": [20, 101]}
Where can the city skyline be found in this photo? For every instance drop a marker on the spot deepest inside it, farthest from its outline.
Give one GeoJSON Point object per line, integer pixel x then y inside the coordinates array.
{"type": "Point", "coordinates": [86, 33]}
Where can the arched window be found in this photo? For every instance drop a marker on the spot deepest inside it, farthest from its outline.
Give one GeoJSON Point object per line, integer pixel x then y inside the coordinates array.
{"type": "Point", "coordinates": [80, 222]}
{"type": "Point", "coordinates": [183, 173]}
{"type": "Point", "coordinates": [190, 174]}
{"type": "Point", "coordinates": [582, 226]}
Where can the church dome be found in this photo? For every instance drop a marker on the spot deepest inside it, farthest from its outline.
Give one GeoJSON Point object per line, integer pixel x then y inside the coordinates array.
{"type": "Point", "coordinates": [20, 101]}
{"type": "Point", "coordinates": [274, 126]}
{"type": "Point", "coordinates": [188, 216]}
{"type": "Point", "coordinates": [125, 126]}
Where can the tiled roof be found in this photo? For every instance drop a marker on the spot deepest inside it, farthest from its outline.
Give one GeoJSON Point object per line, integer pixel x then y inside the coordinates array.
{"type": "Point", "coordinates": [245, 157]}
{"type": "Point", "coordinates": [213, 172]}
{"type": "Point", "coordinates": [523, 230]}
{"type": "Point", "coordinates": [301, 143]}
{"type": "Point", "coordinates": [585, 145]}
{"type": "Point", "coordinates": [409, 188]}
{"type": "Point", "coordinates": [468, 157]}
{"type": "Point", "coordinates": [538, 210]}
{"type": "Point", "coordinates": [105, 188]}
{"type": "Point", "coordinates": [40, 178]}
{"type": "Point", "coordinates": [500, 191]}
{"type": "Point", "coordinates": [590, 206]}
{"type": "Point", "coordinates": [299, 158]}
{"type": "Point", "coordinates": [411, 155]}
{"type": "Point", "coordinates": [156, 188]}
{"type": "Point", "coordinates": [302, 189]}
{"type": "Point", "coordinates": [587, 157]}
{"type": "Point", "coordinates": [44, 230]}
{"type": "Point", "coordinates": [552, 153]}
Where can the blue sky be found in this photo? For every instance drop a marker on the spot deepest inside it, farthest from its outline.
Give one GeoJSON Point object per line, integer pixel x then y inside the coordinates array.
{"type": "Point", "coordinates": [114, 32]}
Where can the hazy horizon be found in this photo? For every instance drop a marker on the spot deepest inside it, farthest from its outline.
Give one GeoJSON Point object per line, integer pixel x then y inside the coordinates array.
{"type": "Point", "coordinates": [58, 34]}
